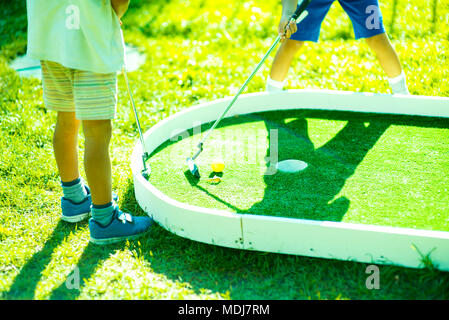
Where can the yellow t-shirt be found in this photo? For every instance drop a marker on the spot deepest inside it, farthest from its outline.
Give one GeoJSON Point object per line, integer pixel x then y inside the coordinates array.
{"type": "Point", "coordinates": [79, 34]}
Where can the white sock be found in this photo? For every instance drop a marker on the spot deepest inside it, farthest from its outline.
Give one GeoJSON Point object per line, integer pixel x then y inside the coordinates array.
{"type": "Point", "coordinates": [273, 85]}
{"type": "Point", "coordinates": [399, 84]}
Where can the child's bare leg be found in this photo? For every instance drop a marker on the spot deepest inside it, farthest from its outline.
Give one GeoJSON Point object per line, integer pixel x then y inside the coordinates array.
{"type": "Point", "coordinates": [65, 145]}
{"type": "Point", "coordinates": [284, 58]}
{"type": "Point", "coordinates": [282, 62]}
{"type": "Point", "coordinates": [386, 54]}
{"type": "Point", "coordinates": [389, 61]}
{"type": "Point", "coordinates": [97, 162]}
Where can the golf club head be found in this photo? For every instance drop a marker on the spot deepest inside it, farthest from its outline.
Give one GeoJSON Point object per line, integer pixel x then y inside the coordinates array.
{"type": "Point", "coordinates": [146, 173]}
{"type": "Point", "coordinates": [193, 168]}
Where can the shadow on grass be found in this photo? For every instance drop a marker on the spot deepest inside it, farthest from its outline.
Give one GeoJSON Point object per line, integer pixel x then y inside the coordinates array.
{"type": "Point", "coordinates": [434, 15]}
{"type": "Point", "coordinates": [393, 16]}
{"type": "Point", "coordinates": [25, 282]}
{"type": "Point", "coordinates": [13, 37]}
{"type": "Point", "coordinates": [329, 166]}
{"type": "Point", "coordinates": [92, 257]}
{"type": "Point", "coordinates": [241, 274]}
{"type": "Point", "coordinates": [312, 191]}
{"type": "Point", "coordinates": [193, 181]}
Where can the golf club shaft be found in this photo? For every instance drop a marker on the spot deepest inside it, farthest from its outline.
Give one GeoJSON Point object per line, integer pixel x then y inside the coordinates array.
{"type": "Point", "coordinates": [296, 17]}
{"type": "Point", "coordinates": [278, 38]}
{"type": "Point", "coordinates": [135, 111]}
{"type": "Point", "coordinates": [145, 154]}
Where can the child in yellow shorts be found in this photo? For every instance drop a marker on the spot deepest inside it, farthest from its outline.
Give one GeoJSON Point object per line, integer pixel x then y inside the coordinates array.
{"type": "Point", "coordinates": [80, 45]}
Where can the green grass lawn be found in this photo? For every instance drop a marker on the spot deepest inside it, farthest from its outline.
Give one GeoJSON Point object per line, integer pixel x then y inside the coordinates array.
{"type": "Point", "coordinates": [371, 169]}
{"type": "Point", "coordinates": [204, 54]}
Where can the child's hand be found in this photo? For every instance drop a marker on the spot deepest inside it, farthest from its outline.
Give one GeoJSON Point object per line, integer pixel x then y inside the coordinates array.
{"type": "Point", "coordinates": [286, 28]}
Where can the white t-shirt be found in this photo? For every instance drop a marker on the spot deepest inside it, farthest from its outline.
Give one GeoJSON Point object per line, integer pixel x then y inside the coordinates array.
{"type": "Point", "coordinates": [79, 34]}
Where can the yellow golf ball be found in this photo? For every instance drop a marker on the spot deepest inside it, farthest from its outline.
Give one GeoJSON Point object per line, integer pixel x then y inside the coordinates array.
{"type": "Point", "coordinates": [217, 166]}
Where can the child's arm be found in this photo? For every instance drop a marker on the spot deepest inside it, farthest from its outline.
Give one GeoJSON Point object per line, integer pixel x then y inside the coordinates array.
{"type": "Point", "coordinates": [120, 7]}
{"type": "Point", "coordinates": [288, 8]}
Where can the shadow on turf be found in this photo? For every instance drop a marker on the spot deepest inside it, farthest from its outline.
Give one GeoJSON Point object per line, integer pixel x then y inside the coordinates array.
{"type": "Point", "coordinates": [255, 275]}
{"type": "Point", "coordinates": [94, 255]}
{"type": "Point", "coordinates": [329, 165]}
{"type": "Point", "coordinates": [193, 181]}
{"type": "Point", "coordinates": [242, 274]}
{"type": "Point", "coordinates": [313, 190]}
{"type": "Point", "coordinates": [25, 283]}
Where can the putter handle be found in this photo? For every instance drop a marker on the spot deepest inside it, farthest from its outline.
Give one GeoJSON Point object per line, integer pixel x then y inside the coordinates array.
{"type": "Point", "coordinates": [300, 9]}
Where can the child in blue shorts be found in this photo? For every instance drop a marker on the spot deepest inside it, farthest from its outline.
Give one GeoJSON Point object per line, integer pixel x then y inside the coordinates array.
{"type": "Point", "coordinates": [367, 23]}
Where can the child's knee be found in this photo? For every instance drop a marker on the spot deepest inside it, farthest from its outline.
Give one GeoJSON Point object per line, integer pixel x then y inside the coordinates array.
{"type": "Point", "coordinates": [97, 129]}
{"type": "Point", "coordinates": [67, 122]}
{"type": "Point", "coordinates": [67, 128]}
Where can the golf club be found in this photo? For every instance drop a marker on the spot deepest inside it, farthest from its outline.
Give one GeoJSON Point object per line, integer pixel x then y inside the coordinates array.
{"type": "Point", "coordinates": [145, 156]}
{"type": "Point", "coordinates": [299, 15]}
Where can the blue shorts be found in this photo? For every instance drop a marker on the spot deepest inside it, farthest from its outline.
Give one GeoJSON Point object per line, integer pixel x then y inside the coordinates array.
{"type": "Point", "coordinates": [365, 16]}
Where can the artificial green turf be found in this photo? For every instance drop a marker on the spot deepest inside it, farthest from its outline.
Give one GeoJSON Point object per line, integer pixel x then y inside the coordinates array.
{"type": "Point", "coordinates": [196, 51]}
{"type": "Point", "coordinates": [362, 168]}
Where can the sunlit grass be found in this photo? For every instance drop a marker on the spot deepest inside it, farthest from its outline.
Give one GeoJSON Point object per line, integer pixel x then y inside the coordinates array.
{"type": "Point", "coordinates": [200, 55]}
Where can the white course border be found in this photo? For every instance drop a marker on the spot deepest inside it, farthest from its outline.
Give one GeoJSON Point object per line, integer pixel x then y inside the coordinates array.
{"type": "Point", "coordinates": [324, 239]}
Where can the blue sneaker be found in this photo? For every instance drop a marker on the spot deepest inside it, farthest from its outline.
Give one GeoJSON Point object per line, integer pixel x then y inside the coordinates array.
{"type": "Point", "coordinates": [76, 212]}
{"type": "Point", "coordinates": [122, 227]}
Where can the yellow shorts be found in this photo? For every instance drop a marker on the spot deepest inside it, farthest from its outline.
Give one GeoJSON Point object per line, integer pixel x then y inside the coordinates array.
{"type": "Point", "coordinates": [92, 96]}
